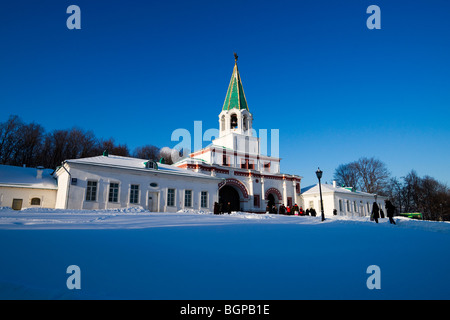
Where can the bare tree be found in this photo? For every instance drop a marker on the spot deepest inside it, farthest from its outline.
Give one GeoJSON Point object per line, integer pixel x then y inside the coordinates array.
{"type": "Point", "coordinates": [366, 174]}
{"type": "Point", "coordinates": [147, 152]}
{"type": "Point", "coordinates": [28, 144]}
{"type": "Point", "coordinates": [8, 138]}
{"type": "Point", "coordinates": [373, 175]}
{"type": "Point", "coordinates": [112, 148]}
{"type": "Point", "coordinates": [347, 175]}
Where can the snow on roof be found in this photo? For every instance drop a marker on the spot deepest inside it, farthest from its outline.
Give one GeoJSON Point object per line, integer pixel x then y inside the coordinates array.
{"type": "Point", "coordinates": [11, 176]}
{"type": "Point", "coordinates": [314, 189]}
{"type": "Point", "coordinates": [136, 164]}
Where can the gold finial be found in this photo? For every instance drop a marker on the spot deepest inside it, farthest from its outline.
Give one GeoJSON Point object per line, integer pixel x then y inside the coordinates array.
{"type": "Point", "coordinates": [235, 57]}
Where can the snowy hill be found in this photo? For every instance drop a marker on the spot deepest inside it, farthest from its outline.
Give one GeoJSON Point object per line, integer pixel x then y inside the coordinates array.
{"type": "Point", "coordinates": [135, 254]}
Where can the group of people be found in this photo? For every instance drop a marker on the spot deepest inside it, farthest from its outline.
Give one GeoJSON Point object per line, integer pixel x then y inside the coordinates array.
{"type": "Point", "coordinates": [294, 210]}
{"type": "Point", "coordinates": [221, 208]}
{"type": "Point", "coordinates": [377, 212]}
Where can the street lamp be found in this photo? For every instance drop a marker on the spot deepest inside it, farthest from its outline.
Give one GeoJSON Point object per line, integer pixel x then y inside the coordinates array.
{"type": "Point", "coordinates": [319, 176]}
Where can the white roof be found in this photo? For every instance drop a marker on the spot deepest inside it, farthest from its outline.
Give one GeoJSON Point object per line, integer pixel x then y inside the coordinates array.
{"type": "Point", "coordinates": [314, 189]}
{"type": "Point", "coordinates": [137, 164]}
{"type": "Point", "coordinates": [20, 177]}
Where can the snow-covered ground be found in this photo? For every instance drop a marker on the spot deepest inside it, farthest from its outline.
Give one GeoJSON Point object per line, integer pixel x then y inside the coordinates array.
{"type": "Point", "coordinates": [135, 254]}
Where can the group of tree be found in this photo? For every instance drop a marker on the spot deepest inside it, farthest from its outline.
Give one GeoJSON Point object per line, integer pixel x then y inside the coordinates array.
{"type": "Point", "coordinates": [410, 193]}
{"type": "Point", "coordinates": [30, 145]}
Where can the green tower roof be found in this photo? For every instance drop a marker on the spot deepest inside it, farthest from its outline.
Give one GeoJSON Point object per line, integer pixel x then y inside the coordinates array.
{"type": "Point", "coordinates": [235, 98]}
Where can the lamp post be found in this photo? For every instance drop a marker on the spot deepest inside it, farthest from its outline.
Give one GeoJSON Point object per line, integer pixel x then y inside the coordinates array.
{"type": "Point", "coordinates": [319, 176]}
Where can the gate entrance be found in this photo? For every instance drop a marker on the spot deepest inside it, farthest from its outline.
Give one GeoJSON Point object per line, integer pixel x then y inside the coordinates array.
{"type": "Point", "coordinates": [229, 194]}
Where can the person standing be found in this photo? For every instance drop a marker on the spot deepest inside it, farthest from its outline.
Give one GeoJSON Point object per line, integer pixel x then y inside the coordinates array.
{"type": "Point", "coordinates": [216, 208]}
{"type": "Point", "coordinates": [375, 212]}
{"type": "Point", "coordinates": [229, 207]}
{"type": "Point", "coordinates": [390, 210]}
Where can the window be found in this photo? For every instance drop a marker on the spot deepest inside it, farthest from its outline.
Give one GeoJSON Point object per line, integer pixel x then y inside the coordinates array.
{"type": "Point", "coordinates": [91, 191]}
{"type": "Point", "coordinates": [233, 122]}
{"type": "Point", "coordinates": [267, 166]}
{"type": "Point", "coordinates": [247, 164]}
{"type": "Point", "coordinates": [348, 206]}
{"type": "Point", "coordinates": [340, 205]}
{"type": "Point", "coordinates": [289, 201]}
{"type": "Point", "coordinates": [256, 201]}
{"type": "Point", "coordinates": [113, 192]}
{"type": "Point", "coordinates": [188, 198]}
{"type": "Point", "coordinates": [355, 207]}
{"type": "Point", "coordinates": [226, 160]}
{"type": "Point", "coordinates": [204, 199]}
{"type": "Point", "coordinates": [134, 193]}
{"type": "Point", "coordinates": [170, 197]}
{"type": "Point", "coordinates": [35, 202]}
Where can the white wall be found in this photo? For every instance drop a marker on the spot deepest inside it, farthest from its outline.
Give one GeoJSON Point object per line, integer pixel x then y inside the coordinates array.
{"type": "Point", "coordinates": [125, 178]}
{"type": "Point", "coordinates": [47, 197]}
{"type": "Point", "coordinates": [331, 201]}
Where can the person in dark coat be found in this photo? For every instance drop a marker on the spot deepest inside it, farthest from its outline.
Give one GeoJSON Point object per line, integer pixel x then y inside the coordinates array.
{"type": "Point", "coordinates": [375, 212]}
{"type": "Point", "coordinates": [216, 208]}
{"type": "Point", "coordinates": [282, 209]}
{"type": "Point", "coordinates": [229, 208]}
{"type": "Point", "coordinates": [221, 208]}
{"type": "Point", "coordinates": [390, 210]}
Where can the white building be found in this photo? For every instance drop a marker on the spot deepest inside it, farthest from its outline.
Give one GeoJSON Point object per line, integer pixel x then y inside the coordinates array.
{"type": "Point", "coordinates": [346, 201]}
{"type": "Point", "coordinates": [252, 180]}
{"type": "Point", "coordinates": [22, 187]}
{"type": "Point", "coordinates": [109, 181]}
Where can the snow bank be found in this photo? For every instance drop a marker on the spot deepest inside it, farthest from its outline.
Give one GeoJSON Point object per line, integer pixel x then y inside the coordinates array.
{"type": "Point", "coordinates": [139, 218]}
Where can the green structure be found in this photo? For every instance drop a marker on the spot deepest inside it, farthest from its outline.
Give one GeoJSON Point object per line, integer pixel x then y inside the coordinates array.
{"type": "Point", "coordinates": [235, 98]}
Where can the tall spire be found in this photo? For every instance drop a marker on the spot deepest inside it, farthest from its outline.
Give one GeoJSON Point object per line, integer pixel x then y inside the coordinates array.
{"type": "Point", "coordinates": [235, 98]}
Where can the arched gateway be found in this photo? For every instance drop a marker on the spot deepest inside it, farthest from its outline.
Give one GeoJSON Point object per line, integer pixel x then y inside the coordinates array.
{"type": "Point", "coordinates": [232, 191]}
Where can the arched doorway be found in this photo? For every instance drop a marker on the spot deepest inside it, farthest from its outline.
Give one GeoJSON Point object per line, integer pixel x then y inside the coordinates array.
{"type": "Point", "coordinates": [270, 200]}
{"type": "Point", "coordinates": [229, 194]}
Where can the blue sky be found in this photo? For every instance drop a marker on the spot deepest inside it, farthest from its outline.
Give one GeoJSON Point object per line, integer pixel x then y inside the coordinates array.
{"type": "Point", "coordinates": [337, 91]}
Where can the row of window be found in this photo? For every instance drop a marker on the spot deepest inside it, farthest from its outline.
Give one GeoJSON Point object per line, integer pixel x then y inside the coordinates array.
{"type": "Point", "coordinates": [245, 163]}
{"type": "Point", "coordinates": [113, 196]}
{"type": "Point", "coordinates": [188, 195]}
{"type": "Point", "coordinates": [355, 206]}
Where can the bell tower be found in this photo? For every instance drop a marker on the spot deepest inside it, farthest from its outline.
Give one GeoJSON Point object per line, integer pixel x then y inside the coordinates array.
{"type": "Point", "coordinates": [235, 116]}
